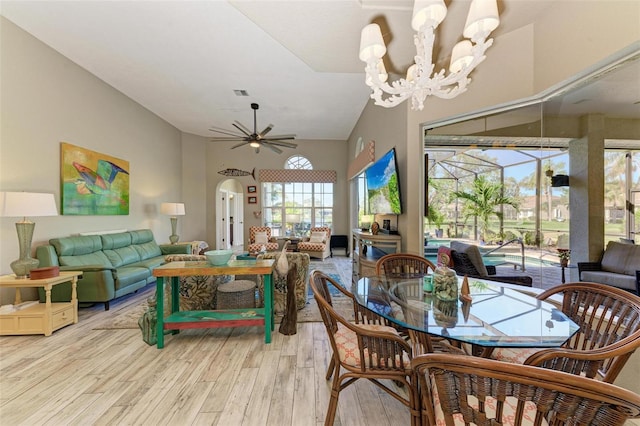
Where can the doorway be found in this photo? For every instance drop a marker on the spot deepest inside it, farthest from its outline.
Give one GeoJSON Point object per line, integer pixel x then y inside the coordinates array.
{"type": "Point", "coordinates": [230, 215]}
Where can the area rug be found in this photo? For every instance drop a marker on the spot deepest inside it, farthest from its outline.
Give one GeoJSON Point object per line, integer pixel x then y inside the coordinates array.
{"type": "Point", "coordinates": [127, 318]}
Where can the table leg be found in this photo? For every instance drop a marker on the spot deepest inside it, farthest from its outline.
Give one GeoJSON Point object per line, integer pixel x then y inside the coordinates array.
{"type": "Point", "coordinates": [268, 308]}
{"type": "Point", "coordinates": [563, 279]}
{"type": "Point", "coordinates": [74, 298]}
{"type": "Point", "coordinates": [175, 298]}
{"type": "Point", "coordinates": [47, 311]}
{"type": "Point", "coordinates": [160, 312]}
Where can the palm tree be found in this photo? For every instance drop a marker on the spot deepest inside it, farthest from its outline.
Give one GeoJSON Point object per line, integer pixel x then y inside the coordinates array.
{"type": "Point", "coordinates": [483, 201]}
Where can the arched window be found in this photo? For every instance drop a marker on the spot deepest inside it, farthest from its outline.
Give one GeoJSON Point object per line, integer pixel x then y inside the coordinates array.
{"type": "Point", "coordinates": [291, 209]}
{"type": "Point", "coordinates": [298, 162]}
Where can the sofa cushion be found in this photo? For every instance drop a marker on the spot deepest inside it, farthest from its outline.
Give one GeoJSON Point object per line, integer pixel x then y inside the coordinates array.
{"type": "Point", "coordinates": [633, 260]}
{"type": "Point", "coordinates": [627, 282]}
{"type": "Point", "coordinates": [141, 236]}
{"type": "Point", "coordinates": [122, 256]}
{"type": "Point", "coordinates": [148, 250]}
{"type": "Point", "coordinates": [128, 275]}
{"type": "Point", "coordinates": [74, 246]}
{"type": "Point", "coordinates": [615, 257]}
{"type": "Point", "coordinates": [96, 258]}
{"type": "Point", "coordinates": [115, 241]}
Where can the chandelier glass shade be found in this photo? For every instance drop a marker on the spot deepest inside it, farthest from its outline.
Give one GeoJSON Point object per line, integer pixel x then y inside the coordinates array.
{"type": "Point", "coordinates": [421, 81]}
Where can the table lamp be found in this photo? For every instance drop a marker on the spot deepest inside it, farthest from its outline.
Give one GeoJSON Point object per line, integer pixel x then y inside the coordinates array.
{"type": "Point", "coordinates": [23, 204]}
{"type": "Point", "coordinates": [173, 210]}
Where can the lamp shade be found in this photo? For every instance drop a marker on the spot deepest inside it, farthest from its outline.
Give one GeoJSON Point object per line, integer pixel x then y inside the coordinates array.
{"type": "Point", "coordinates": [24, 204]}
{"type": "Point", "coordinates": [428, 10]}
{"type": "Point", "coordinates": [172, 209]}
{"type": "Point", "coordinates": [482, 17]}
{"type": "Point", "coordinates": [461, 56]}
{"type": "Point", "coordinates": [371, 43]}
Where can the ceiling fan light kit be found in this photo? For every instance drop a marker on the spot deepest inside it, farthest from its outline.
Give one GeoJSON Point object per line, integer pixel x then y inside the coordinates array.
{"type": "Point", "coordinates": [254, 139]}
{"type": "Point", "coordinates": [421, 81]}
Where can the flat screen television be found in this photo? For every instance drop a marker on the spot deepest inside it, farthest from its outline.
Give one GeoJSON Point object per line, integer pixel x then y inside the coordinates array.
{"type": "Point", "coordinates": [383, 186]}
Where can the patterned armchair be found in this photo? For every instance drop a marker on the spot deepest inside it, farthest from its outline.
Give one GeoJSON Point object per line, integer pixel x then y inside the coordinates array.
{"type": "Point", "coordinates": [317, 245]}
{"type": "Point", "coordinates": [297, 261]}
{"type": "Point", "coordinates": [263, 235]}
{"type": "Point", "coordinates": [197, 292]}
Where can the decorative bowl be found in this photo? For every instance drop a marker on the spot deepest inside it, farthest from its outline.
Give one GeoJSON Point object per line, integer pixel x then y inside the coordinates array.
{"type": "Point", "coordinates": [218, 257]}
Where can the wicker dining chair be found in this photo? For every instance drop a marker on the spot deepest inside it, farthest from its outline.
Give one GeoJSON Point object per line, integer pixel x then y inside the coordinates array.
{"type": "Point", "coordinates": [364, 351]}
{"type": "Point", "coordinates": [470, 390]}
{"type": "Point", "coordinates": [609, 320]}
{"type": "Point", "coordinates": [406, 265]}
{"type": "Point", "coordinates": [403, 265]}
{"type": "Point", "coordinates": [361, 314]}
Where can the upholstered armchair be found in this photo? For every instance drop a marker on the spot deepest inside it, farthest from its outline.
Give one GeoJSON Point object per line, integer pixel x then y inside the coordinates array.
{"type": "Point", "coordinates": [261, 236]}
{"type": "Point", "coordinates": [198, 292]}
{"type": "Point", "coordinates": [297, 261]}
{"type": "Point", "coordinates": [318, 243]}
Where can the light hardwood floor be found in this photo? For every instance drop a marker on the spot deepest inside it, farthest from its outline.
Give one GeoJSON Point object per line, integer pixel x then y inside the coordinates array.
{"type": "Point", "coordinates": [84, 376]}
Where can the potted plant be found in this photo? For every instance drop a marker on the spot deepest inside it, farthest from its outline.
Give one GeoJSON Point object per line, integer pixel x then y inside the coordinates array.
{"type": "Point", "coordinates": [564, 255]}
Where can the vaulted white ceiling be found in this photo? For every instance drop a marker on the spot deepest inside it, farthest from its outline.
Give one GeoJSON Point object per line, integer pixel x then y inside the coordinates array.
{"type": "Point", "coordinates": [298, 59]}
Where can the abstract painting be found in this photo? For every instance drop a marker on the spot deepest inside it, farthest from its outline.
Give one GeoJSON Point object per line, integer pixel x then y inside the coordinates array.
{"type": "Point", "coordinates": [93, 183]}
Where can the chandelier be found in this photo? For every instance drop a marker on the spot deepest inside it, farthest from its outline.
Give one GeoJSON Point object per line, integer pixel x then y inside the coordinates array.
{"type": "Point", "coordinates": [421, 80]}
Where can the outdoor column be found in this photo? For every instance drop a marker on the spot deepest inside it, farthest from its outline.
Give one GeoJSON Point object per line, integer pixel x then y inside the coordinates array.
{"type": "Point", "coordinates": [586, 198]}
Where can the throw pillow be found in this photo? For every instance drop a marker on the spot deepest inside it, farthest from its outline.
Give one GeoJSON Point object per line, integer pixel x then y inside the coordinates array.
{"type": "Point", "coordinates": [318, 237]}
{"type": "Point", "coordinates": [444, 256]}
{"type": "Point", "coordinates": [261, 238]}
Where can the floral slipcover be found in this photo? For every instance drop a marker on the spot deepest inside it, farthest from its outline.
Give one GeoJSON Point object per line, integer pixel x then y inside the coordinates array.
{"type": "Point", "coordinates": [197, 292]}
{"type": "Point", "coordinates": [299, 261]}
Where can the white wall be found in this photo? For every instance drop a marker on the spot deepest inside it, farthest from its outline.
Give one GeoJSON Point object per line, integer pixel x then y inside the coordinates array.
{"type": "Point", "coordinates": [47, 99]}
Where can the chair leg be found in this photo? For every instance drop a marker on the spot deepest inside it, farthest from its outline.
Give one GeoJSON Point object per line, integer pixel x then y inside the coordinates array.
{"type": "Point", "coordinates": [333, 401]}
{"type": "Point", "coordinates": [332, 365]}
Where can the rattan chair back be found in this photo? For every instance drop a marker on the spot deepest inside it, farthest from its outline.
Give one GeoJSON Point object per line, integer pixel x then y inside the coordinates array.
{"type": "Point", "coordinates": [380, 353]}
{"type": "Point", "coordinates": [480, 391]}
{"type": "Point", "coordinates": [609, 320]}
{"type": "Point", "coordinates": [403, 265]}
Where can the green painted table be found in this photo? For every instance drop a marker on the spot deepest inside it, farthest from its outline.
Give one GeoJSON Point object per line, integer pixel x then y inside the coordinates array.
{"type": "Point", "coordinates": [178, 320]}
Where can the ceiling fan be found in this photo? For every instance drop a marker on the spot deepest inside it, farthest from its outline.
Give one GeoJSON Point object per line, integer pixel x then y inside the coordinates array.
{"type": "Point", "coordinates": [254, 139]}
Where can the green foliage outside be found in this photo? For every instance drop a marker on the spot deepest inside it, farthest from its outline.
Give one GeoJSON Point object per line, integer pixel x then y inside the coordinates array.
{"type": "Point", "coordinates": [483, 201]}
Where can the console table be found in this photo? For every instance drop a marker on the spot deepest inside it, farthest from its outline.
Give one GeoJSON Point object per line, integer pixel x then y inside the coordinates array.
{"type": "Point", "coordinates": [40, 318]}
{"type": "Point", "coordinates": [368, 248]}
{"type": "Point", "coordinates": [178, 320]}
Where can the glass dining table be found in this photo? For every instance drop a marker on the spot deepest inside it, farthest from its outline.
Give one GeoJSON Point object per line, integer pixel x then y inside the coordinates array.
{"type": "Point", "coordinates": [498, 315]}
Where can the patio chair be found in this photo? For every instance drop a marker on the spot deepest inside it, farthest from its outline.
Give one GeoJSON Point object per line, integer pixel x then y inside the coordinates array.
{"type": "Point", "coordinates": [469, 390]}
{"type": "Point", "coordinates": [609, 320]}
{"type": "Point", "coordinates": [467, 260]}
{"type": "Point", "coordinates": [364, 351]}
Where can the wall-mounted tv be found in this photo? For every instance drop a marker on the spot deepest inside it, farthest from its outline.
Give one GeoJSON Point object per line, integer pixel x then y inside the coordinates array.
{"type": "Point", "coordinates": [383, 186]}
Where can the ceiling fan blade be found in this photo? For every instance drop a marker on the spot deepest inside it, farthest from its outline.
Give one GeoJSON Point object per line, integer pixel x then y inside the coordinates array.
{"type": "Point", "coordinates": [273, 148]}
{"type": "Point", "coordinates": [238, 125]}
{"type": "Point", "coordinates": [266, 130]}
{"type": "Point", "coordinates": [280, 137]}
{"type": "Point", "coordinates": [225, 132]}
{"type": "Point", "coordinates": [240, 144]}
{"type": "Point", "coordinates": [280, 143]}
{"type": "Point", "coordinates": [228, 139]}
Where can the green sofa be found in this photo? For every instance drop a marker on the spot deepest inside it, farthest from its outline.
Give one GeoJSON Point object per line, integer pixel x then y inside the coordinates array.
{"type": "Point", "coordinates": [112, 265]}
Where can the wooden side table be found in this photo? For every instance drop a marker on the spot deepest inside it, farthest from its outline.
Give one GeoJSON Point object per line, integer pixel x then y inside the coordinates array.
{"type": "Point", "coordinates": [41, 318]}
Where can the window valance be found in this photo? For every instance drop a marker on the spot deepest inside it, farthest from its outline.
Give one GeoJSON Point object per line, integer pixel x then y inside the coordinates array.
{"type": "Point", "coordinates": [298, 175]}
